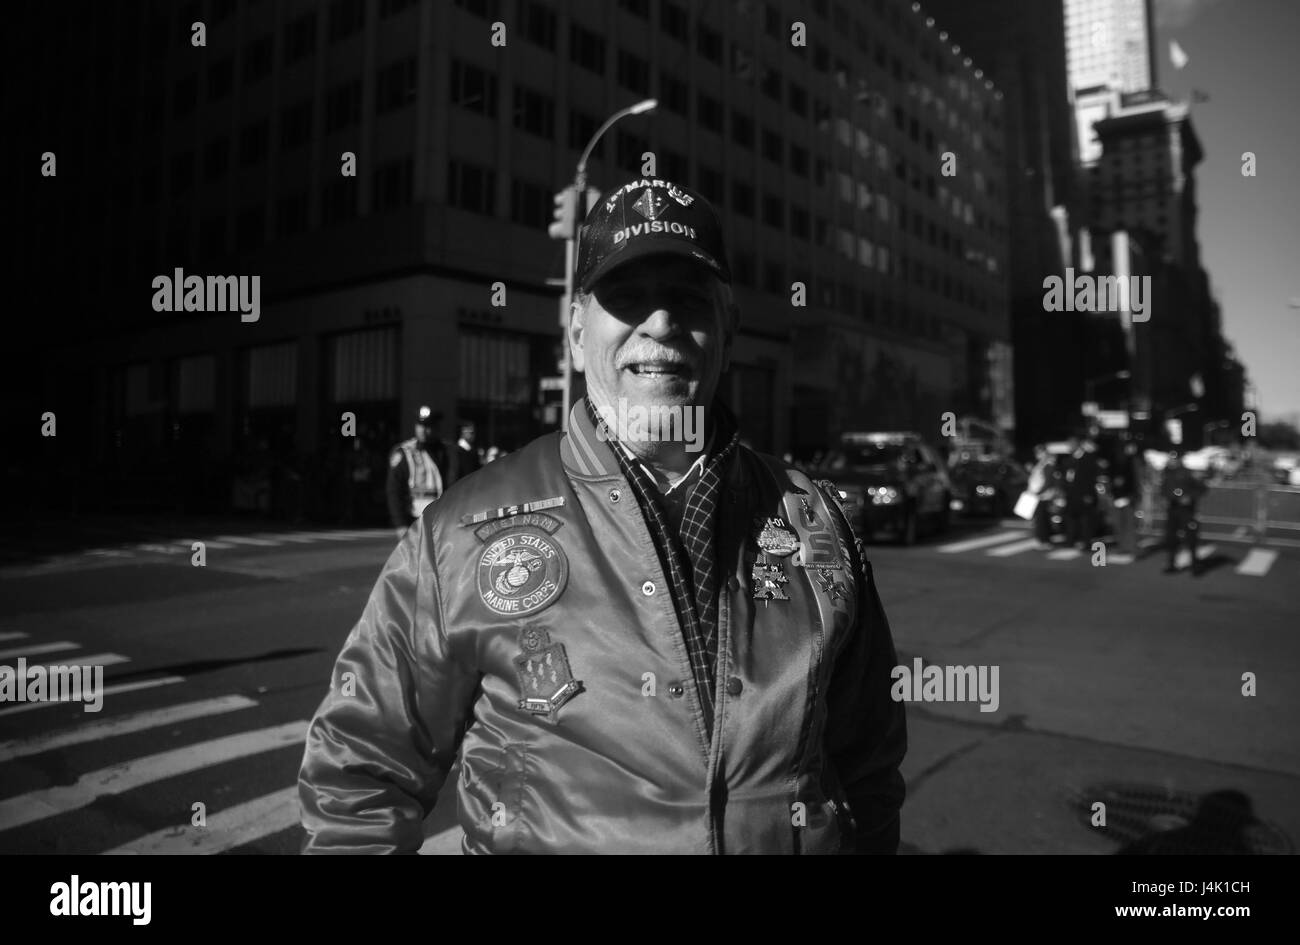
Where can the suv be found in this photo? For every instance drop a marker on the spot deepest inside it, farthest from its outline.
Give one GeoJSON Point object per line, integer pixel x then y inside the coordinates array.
{"type": "Point", "coordinates": [890, 482]}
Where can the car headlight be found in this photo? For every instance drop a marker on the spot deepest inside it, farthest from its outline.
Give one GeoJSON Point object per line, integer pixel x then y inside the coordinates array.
{"type": "Point", "coordinates": [983, 490]}
{"type": "Point", "coordinates": [882, 495]}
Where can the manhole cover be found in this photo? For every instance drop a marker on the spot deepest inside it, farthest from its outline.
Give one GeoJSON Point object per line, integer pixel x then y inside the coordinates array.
{"type": "Point", "coordinates": [1147, 818]}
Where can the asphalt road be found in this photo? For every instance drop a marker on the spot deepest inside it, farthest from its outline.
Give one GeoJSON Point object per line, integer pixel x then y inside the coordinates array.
{"type": "Point", "coordinates": [1117, 684]}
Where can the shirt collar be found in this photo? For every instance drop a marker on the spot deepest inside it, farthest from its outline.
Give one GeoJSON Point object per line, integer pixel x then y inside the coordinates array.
{"type": "Point", "coordinates": [696, 470]}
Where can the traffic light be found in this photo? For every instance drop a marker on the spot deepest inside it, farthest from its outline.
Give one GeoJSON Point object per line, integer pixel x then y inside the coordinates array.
{"type": "Point", "coordinates": [566, 213]}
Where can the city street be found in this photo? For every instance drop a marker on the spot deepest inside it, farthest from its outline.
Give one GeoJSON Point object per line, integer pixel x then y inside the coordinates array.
{"type": "Point", "coordinates": [1117, 684]}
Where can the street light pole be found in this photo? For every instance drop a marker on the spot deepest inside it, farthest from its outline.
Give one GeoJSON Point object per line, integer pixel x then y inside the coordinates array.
{"type": "Point", "coordinates": [571, 246]}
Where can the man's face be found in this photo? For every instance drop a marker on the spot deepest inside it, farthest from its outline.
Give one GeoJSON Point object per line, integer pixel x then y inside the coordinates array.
{"type": "Point", "coordinates": [467, 433]}
{"type": "Point", "coordinates": [423, 433]}
{"type": "Point", "coordinates": [653, 332]}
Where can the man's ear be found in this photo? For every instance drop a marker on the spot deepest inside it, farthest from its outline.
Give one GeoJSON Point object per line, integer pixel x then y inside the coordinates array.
{"type": "Point", "coordinates": [577, 325]}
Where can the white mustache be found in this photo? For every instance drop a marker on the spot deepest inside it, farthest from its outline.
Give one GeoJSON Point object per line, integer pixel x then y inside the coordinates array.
{"type": "Point", "coordinates": [660, 357]}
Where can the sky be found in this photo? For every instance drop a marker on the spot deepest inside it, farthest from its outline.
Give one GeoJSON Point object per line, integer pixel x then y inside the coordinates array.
{"type": "Point", "coordinates": [1243, 54]}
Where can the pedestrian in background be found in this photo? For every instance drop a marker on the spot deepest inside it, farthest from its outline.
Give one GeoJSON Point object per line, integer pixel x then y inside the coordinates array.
{"type": "Point", "coordinates": [1081, 468]}
{"type": "Point", "coordinates": [469, 459]}
{"type": "Point", "coordinates": [1126, 490]}
{"type": "Point", "coordinates": [1042, 487]}
{"type": "Point", "coordinates": [419, 469]}
{"type": "Point", "coordinates": [1181, 490]}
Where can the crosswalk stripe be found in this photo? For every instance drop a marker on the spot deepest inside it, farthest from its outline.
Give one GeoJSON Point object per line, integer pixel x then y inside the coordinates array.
{"type": "Point", "coordinates": [122, 725]}
{"type": "Point", "coordinates": [1119, 558]}
{"type": "Point", "coordinates": [1015, 548]}
{"type": "Point", "coordinates": [96, 659]}
{"type": "Point", "coordinates": [6, 637]}
{"type": "Point", "coordinates": [1205, 551]}
{"type": "Point", "coordinates": [129, 775]}
{"type": "Point", "coordinates": [157, 549]}
{"type": "Point", "coordinates": [295, 539]}
{"type": "Point", "coordinates": [1257, 562]}
{"type": "Point", "coordinates": [39, 648]}
{"type": "Point", "coordinates": [1064, 554]}
{"type": "Point", "coordinates": [971, 544]}
{"type": "Point", "coordinates": [443, 843]}
{"type": "Point", "coordinates": [241, 540]}
{"type": "Point", "coordinates": [188, 543]}
{"type": "Point", "coordinates": [225, 830]}
{"type": "Point", "coordinates": [108, 691]}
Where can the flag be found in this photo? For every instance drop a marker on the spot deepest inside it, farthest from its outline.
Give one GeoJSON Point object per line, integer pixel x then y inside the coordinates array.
{"type": "Point", "coordinates": [1176, 54]}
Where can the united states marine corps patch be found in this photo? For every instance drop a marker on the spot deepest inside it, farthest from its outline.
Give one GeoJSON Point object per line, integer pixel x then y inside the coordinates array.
{"type": "Point", "coordinates": [521, 571]}
{"type": "Point", "coordinates": [545, 680]}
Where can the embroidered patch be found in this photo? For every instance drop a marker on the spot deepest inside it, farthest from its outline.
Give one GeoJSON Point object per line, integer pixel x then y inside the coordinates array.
{"type": "Point", "coordinates": [507, 511]}
{"type": "Point", "coordinates": [548, 523]}
{"type": "Point", "coordinates": [545, 680]}
{"type": "Point", "coordinates": [522, 571]}
{"type": "Point", "coordinates": [773, 536]}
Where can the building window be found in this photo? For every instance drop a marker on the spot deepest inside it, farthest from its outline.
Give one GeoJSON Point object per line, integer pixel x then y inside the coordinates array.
{"type": "Point", "coordinates": [253, 142]}
{"type": "Point", "coordinates": [182, 172]}
{"type": "Point", "coordinates": [212, 236]}
{"type": "Point", "coordinates": [338, 200]}
{"type": "Point", "coordinates": [709, 44]}
{"type": "Point", "coordinates": [581, 127]}
{"type": "Point", "coordinates": [674, 94]}
{"type": "Point", "coordinates": [772, 24]}
{"type": "Point", "coordinates": [346, 18]}
{"type": "Point", "coordinates": [773, 146]}
{"type": "Point", "coordinates": [774, 278]}
{"type": "Point", "coordinates": [530, 203]}
{"type": "Point", "coordinates": [587, 49]}
{"type": "Point", "coordinates": [709, 183]}
{"type": "Point", "coordinates": [742, 198]}
{"type": "Point", "coordinates": [257, 59]}
{"type": "Point", "coordinates": [391, 184]}
{"type": "Point", "coordinates": [773, 211]}
{"type": "Point", "coordinates": [743, 268]}
{"type": "Point", "coordinates": [674, 20]}
{"type": "Point", "coordinates": [770, 84]}
{"type": "Point", "coordinates": [539, 24]}
{"type": "Point", "coordinates": [633, 72]}
{"type": "Point", "coordinates": [185, 96]}
{"type": "Point", "coordinates": [295, 125]}
{"type": "Point", "coordinates": [708, 111]}
{"type": "Point", "coordinates": [534, 112]}
{"type": "Point", "coordinates": [487, 9]}
{"type": "Point", "coordinates": [673, 166]}
{"type": "Point", "coordinates": [216, 158]}
{"type": "Point", "coordinates": [291, 214]}
{"type": "Point", "coordinates": [395, 86]}
{"type": "Point", "coordinates": [250, 228]}
{"type": "Point", "coordinates": [299, 38]}
{"type": "Point", "coordinates": [221, 78]}
{"type": "Point", "coordinates": [798, 98]}
{"type": "Point", "coordinates": [473, 88]}
{"type": "Point", "coordinates": [742, 130]}
{"type": "Point", "coordinates": [342, 106]}
{"type": "Point", "coordinates": [799, 223]}
{"type": "Point", "coordinates": [629, 150]}
{"type": "Point", "coordinates": [471, 187]}
{"type": "Point", "coordinates": [799, 160]}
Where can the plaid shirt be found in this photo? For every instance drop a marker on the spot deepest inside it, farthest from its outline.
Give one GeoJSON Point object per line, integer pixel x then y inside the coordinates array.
{"type": "Point", "coordinates": [688, 554]}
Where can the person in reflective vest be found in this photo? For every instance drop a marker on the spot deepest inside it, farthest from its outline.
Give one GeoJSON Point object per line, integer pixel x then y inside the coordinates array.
{"type": "Point", "coordinates": [419, 470]}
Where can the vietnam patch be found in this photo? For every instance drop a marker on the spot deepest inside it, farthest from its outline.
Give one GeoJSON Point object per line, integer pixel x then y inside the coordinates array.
{"type": "Point", "coordinates": [545, 680]}
{"type": "Point", "coordinates": [522, 571]}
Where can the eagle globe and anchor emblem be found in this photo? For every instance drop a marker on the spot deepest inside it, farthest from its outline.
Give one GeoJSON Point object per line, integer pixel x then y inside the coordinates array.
{"type": "Point", "coordinates": [521, 572]}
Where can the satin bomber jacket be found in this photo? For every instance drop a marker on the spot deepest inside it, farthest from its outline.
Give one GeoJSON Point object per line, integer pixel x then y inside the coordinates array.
{"type": "Point", "coordinates": [524, 627]}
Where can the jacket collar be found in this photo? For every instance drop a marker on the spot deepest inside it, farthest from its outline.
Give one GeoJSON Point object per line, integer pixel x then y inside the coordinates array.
{"type": "Point", "coordinates": [582, 451]}
{"type": "Point", "coordinates": [585, 454]}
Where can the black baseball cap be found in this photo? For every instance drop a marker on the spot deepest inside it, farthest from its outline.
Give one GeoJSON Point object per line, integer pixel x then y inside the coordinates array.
{"type": "Point", "coordinates": [649, 216]}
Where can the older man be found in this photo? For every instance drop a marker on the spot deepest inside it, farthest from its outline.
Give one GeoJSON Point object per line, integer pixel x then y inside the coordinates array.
{"type": "Point", "coordinates": [638, 637]}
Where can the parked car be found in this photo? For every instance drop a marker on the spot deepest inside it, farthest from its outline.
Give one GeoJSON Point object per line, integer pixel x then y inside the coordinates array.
{"type": "Point", "coordinates": [891, 482]}
{"type": "Point", "coordinates": [986, 486]}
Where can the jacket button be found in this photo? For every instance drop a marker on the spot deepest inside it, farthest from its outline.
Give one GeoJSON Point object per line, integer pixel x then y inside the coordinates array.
{"type": "Point", "coordinates": [676, 689]}
{"type": "Point", "coordinates": [648, 588]}
{"type": "Point", "coordinates": [615, 495]}
{"type": "Point", "coordinates": [734, 686]}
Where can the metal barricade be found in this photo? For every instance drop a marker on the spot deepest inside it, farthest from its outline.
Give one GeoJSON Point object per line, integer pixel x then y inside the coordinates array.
{"type": "Point", "coordinates": [1257, 506]}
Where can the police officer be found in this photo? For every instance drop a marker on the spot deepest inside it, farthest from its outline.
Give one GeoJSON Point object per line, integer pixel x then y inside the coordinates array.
{"type": "Point", "coordinates": [468, 458]}
{"type": "Point", "coordinates": [1181, 489]}
{"type": "Point", "coordinates": [632, 638]}
{"type": "Point", "coordinates": [419, 470]}
{"type": "Point", "coordinates": [1080, 480]}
